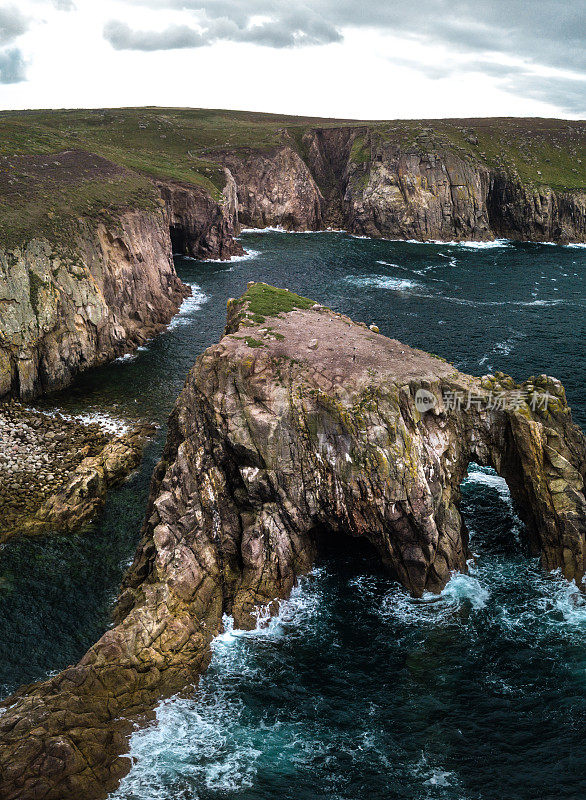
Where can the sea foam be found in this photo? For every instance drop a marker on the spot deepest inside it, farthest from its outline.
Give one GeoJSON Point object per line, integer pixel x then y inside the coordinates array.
{"type": "Point", "coordinates": [192, 303]}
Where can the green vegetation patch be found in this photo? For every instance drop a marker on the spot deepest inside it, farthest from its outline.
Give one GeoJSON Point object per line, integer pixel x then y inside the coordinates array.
{"type": "Point", "coordinates": [252, 342]}
{"type": "Point", "coordinates": [360, 152]}
{"type": "Point", "coordinates": [34, 288]}
{"type": "Point", "coordinates": [33, 204]}
{"type": "Point", "coordinates": [268, 301]}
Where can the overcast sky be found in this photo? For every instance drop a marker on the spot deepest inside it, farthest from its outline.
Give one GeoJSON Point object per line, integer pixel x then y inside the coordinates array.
{"type": "Point", "coordinates": [375, 59]}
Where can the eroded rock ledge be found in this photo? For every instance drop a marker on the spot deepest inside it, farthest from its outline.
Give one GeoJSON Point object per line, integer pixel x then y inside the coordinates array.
{"type": "Point", "coordinates": [299, 420]}
{"type": "Point", "coordinates": [55, 472]}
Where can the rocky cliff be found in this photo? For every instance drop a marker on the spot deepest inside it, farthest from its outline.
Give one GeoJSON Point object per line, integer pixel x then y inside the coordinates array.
{"type": "Point", "coordinates": [379, 185]}
{"type": "Point", "coordinates": [69, 306]}
{"type": "Point", "coordinates": [199, 225]}
{"type": "Point", "coordinates": [299, 424]}
{"type": "Point", "coordinates": [86, 267]}
{"type": "Point", "coordinates": [276, 189]}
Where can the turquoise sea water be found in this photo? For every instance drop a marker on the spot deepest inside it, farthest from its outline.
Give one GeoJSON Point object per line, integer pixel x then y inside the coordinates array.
{"type": "Point", "coordinates": [355, 690]}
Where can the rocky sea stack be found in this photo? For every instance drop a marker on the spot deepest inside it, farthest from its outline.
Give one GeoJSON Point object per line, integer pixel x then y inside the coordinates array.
{"type": "Point", "coordinates": [299, 424]}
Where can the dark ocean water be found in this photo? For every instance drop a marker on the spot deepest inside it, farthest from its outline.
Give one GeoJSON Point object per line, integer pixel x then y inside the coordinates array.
{"type": "Point", "coordinates": [355, 691]}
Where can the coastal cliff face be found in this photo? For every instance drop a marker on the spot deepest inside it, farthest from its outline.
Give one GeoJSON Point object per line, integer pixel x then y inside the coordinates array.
{"type": "Point", "coordinates": [200, 226]}
{"type": "Point", "coordinates": [298, 425]}
{"type": "Point", "coordinates": [353, 178]}
{"type": "Point", "coordinates": [535, 214]}
{"type": "Point", "coordinates": [86, 269]}
{"type": "Point", "coordinates": [86, 266]}
{"type": "Point", "coordinates": [276, 189]}
{"type": "Point", "coordinates": [413, 195]}
{"type": "Point", "coordinates": [70, 306]}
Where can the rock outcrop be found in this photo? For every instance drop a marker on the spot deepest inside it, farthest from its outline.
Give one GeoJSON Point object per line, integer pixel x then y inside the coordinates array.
{"type": "Point", "coordinates": [200, 226]}
{"type": "Point", "coordinates": [412, 195]}
{"type": "Point", "coordinates": [66, 307]}
{"type": "Point", "coordinates": [298, 424]}
{"type": "Point", "coordinates": [276, 189]}
{"type": "Point", "coordinates": [84, 492]}
{"type": "Point", "coordinates": [86, 266]}
{"type": "Point", "coordinates": [55, 471]}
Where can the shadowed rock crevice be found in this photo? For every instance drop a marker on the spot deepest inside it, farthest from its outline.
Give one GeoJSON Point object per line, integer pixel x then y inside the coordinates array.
{"type": "Point", "coordinates": [201, 226]}
{"type": "Point", "coordinates": [298, 420]}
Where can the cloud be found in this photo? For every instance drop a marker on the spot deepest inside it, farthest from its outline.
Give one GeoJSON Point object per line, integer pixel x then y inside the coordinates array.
{"type": "Point", "coordinates": [478, 36]}
{"type": "Point", "coordinates": [565, 93]}
{"type": "Point", "coordinates": [122, 37]}
{"type": "Point", "coordinates": [64, 5]}
{"type": "Point", "coordinates": [549, 32]}
{"type": "Point", "coordinates": [223, 21]}
{"type": "Point", "coordinates": [12, 66]}
{"type": "Point", "coordinates": [13, 23]}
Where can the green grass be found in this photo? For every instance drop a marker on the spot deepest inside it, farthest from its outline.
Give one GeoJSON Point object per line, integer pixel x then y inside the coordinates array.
{"type": "Point", "coordinates": [52, 210]}
{"type": "Point", "coordinates": [541, 152]}
{"type": "Point", "coordinates": [184, 144]}
{"type": "Point", "coordinates": [187, 145]}
{"type": "Point", "coordinates": [252, 342]}
{"type": "Point", "coordinates": [268, 301]}
{"type": "Point", "coordinates": [360, 151]}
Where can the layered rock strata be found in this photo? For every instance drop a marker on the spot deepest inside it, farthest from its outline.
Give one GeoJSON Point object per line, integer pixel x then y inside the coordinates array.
{"type": "Point", "coordinates": [298, 424]}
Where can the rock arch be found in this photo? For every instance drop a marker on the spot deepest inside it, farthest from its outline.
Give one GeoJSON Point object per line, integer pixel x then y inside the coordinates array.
{"type": "Point", "coordinates": [297, 418]}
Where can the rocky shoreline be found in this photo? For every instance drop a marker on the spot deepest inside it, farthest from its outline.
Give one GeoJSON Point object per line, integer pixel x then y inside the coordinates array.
{"type": "Point", "coordinates": [298, 424]}
{"type": "Point", "coordinates": [46, 461]}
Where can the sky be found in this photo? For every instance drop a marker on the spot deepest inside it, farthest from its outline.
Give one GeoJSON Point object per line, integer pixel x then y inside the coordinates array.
{"type": "Point", "coordinates": [376, 59]}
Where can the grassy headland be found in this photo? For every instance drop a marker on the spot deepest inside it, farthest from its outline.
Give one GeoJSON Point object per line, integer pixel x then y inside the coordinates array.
{"type": "Point", "coordinates": [136, 144]}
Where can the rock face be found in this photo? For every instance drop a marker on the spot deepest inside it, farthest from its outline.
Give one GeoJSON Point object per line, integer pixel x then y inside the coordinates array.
{"type": "Point", "coordinates": [81, 285]}
{"type": "Point", "coordinates": [299, 424]}
{"type": "Point", "coordinates": [352, 178]}
{"type": "Point", "coordinates": [412, 195]}
{"type": "Point", "coordinates": [276, 189]}
{"type": "Point", "coordinates": [68, 307]}
{"type": "Point", "coordinates": [200, 226]}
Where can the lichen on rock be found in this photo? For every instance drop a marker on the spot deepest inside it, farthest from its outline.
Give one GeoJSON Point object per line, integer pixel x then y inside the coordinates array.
{"type": "Point", "coordinates": [269, 449]}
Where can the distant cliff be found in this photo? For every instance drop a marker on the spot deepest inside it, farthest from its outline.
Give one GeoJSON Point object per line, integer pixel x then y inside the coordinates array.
{"type": "Point", "coordinates": [93, 203]}
{"type": "Point", "coordinates": [357, 179]}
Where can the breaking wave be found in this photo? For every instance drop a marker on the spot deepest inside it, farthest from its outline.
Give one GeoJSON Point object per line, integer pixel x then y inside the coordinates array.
{"type": "Point", "coordinates": [383, 282]}
{"type": "Point", "coordinates": [207, 742]}
{"type": "Point", "coordinates": [191, 304]}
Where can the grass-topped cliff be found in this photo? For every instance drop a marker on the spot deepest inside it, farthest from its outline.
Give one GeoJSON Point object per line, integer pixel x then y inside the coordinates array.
{"type": "Point", "coordinates": [107, 157]}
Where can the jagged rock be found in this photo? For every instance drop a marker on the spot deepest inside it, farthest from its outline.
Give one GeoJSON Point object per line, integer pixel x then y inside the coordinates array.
{"type": "Point", "coordinates": [76, 297]}
{"type": "Point", "coordinates": [84, 493]}
{"type": "Point", "coordinates": [269, 449]}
